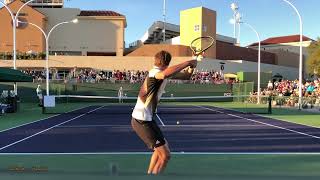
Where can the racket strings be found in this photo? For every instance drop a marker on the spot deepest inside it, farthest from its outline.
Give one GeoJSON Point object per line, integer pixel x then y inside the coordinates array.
{"type": "Point", "coordinates": [201, 44]}
{"type": "Point", "coordinates": [196, 46]}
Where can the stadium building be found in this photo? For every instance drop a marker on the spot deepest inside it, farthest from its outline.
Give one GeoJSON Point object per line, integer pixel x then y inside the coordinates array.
{"type": "Point", "coordinates": [97, 42]}
{"type": "Point", "coordinates": [284, 43]}
{"type": "Point", "coordinates": [98, 33]}
{"type": "Point", "coordinates": [280, 55]}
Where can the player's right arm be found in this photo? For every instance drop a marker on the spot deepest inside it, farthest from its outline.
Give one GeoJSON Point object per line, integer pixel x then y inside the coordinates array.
{"type": "Point", "coordinates": [173, 70]}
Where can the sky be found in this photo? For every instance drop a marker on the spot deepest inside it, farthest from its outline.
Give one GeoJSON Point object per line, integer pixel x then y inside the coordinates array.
{"type": "Point", "coordinates": [269, 17]}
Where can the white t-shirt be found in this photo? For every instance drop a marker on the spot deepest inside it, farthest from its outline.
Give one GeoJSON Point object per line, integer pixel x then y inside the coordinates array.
{"type": "Point", "coordinates": [149, 96]}
{"type": "Point", "coordinates": [39, 92]}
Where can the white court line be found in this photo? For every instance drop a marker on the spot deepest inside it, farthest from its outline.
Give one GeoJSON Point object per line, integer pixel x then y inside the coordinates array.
{"type": "Point", "coordinates": [262, 117]}
{"type": "Point", "coordinates": [267, 124]}
{"type": "Point", "coordinates": [180, 125]}
{"type": "Point", "coordinates": [93, 126]}
{"type": "Point", "coordinates": [148, 153]}
{"type": "Point", "coordinates": [160, 120]}
{"type": "Point", "coordinates": [29, 123]}
{"type": "Point", "coordinates": [9, 145]}
{"type": "Point", "coordinates": [39, 120]}
{"type": "Point", "coordinates": [210, 109]}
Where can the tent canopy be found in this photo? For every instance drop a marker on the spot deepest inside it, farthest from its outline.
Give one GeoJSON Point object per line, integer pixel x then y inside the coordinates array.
{"type": "Point", "coordinates": [11, 75]}
{"type": "Point", "coordinates": [233, 76]}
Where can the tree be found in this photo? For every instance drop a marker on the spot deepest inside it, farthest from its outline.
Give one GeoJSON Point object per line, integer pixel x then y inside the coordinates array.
{"type": "Point", "coordinates": [313, 61]}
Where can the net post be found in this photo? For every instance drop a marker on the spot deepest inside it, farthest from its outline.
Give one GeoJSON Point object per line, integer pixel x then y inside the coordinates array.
{"type": "Point", "coordinates": [270, 104]}
{"type": "Point", "coordinates": [43, 110]}
{"type": "Point", "coordinates": [246, 105]}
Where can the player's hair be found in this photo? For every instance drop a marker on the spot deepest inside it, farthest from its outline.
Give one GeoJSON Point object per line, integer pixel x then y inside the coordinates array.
{"type": "Point", "coordinates": [162, 58]}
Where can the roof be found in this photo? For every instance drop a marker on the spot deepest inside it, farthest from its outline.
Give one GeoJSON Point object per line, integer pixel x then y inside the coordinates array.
{"type": "Point", "coordinates": [154, 35]}
{"type": "Point", "coordinates": [21, 3]}
{"type": "Point", "coordinates": [282, 39]}
{"type": "Point", "coordinates": [99, 13]}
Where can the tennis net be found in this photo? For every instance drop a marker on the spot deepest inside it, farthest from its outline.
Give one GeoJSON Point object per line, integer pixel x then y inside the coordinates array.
{"type": "Point", "coordinates": [168, 105]}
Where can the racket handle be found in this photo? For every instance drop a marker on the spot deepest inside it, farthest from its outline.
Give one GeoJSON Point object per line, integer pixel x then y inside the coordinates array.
{"type": "Point", "coordinates": [198, 58]}
{"type": "Point", "coordinates": [190, 70]}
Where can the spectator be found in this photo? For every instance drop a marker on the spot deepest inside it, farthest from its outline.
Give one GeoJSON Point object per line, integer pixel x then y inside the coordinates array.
{"type": "Point", "coordinates": [39, 95]}
{"type": "Point", "coordinates": [120, 95]}
{"type": "Point", "coordinates": [270, 85]}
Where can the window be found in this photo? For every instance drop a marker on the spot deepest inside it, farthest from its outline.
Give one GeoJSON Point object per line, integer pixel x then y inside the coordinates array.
{"type": "Point", "coordinates": [196, 28]}
{"type": "Point", "coordinates": [204, 28]}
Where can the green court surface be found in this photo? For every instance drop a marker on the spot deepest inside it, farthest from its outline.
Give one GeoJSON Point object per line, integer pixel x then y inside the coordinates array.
{"type": "Point", "coordinates": [284, 114]}
{"type": "Point", "coordinates": [28, 112]}
{"type": "Point", "coordinates": [297, 116]}
{"type": "Point", "coordinates": [181, 166]}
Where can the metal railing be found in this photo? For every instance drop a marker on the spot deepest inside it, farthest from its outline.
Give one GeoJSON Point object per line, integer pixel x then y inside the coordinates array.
{"type": "Point", "coordinates": [46, 2]}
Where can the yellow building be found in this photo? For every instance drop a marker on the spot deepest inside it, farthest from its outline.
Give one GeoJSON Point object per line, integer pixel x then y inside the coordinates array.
{"type": "Point", "coordinates": [196, 22]}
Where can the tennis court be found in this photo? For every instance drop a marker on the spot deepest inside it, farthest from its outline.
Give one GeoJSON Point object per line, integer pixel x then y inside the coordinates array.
{"type": "Point", "coordinates": [189, 128]}
{"type": "Point", "coordinates": [98, 141]}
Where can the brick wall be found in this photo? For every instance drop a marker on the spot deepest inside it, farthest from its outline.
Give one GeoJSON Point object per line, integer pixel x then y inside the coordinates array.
{"type": "Point", "coordinates": [151, 49]}
{"type": "Point", "coordinates": [227, 51]}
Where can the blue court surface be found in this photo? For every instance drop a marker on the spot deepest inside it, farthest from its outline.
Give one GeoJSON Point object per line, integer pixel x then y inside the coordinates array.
{"type": "Point", "coordinates": [217, 130]}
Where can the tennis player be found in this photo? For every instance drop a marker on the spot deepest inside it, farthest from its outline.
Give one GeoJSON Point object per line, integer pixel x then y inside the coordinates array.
{"type": "Point", "coordinates": [150, 93]}
{"type": "Point", "coordinates": [120, 95]}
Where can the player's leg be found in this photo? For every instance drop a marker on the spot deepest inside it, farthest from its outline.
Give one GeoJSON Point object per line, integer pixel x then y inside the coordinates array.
{"type": "Point", "coordinates": [156, 166]}
{"type": "Point", "coordinates": [153, 161]}
{"type": "Point", "coordinates": [151, 135]}
{"type": "Point", "coordinates": [161, 147]}
{"type": "Point", "coordinates": [164, 157]}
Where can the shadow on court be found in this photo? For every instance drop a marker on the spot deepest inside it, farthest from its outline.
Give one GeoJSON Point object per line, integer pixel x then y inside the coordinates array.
{"type": "Point", "coordinates": [181, 166]}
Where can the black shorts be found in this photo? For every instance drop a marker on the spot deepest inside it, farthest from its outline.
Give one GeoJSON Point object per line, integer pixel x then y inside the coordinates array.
{"type": "Point", "coordinates": [149, 132]}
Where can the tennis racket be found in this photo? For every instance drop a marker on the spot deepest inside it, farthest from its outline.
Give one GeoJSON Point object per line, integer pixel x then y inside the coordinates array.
{"type": "Point", "coordinates": [200, 45]}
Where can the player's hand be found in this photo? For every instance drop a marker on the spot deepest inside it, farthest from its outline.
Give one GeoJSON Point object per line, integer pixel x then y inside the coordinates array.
{"type": "Point", "coordinates": [190, 70]}
{"type": "Point", "coordinates": [201, 54]}
{"type": "Point", "coordinates": [193, 63]}
{"type": "Point", "coordinates": [198, 57]}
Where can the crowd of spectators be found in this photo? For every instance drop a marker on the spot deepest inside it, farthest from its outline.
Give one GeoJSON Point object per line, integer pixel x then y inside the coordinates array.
{"type": "Point", "coordinates": [286, 92]}
{"type": "Point", "coordinates": [37, 75]}
{"type": "Point", "coordinates": [291, 88]}
{"type": "Point", "coordinates": [208, 77]}
{"type": "Point", "coordinates": [130, 76]}
{"type": "Point", "coordinates": [94, 76]}
{"type": "Point", "coordinates": [88, 75]}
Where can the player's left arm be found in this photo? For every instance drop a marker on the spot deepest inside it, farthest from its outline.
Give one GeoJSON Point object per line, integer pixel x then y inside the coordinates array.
{"type": "Point", "coordinates": [186, 73]}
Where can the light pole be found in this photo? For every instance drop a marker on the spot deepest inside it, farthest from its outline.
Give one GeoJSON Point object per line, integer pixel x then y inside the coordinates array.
{"type": "Point", "coordinates": [259, 58]}
{"type": "Point", "coordinates": [14, 27]}
{"type": "Point", "coordinates": [14, 22]}
{"type": "Point", "coordinates": [235, 9]}
{"type": "Point", "coordinates": [164, 21]}
{"type": "Point", "coordinates": [301, 56]}
{"type": "Point", "coordinates": [9, 10]}
{"type": "Point", "coordinates": [47, 36]}
{"type": "Point", "coordinates": [239, 21]}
